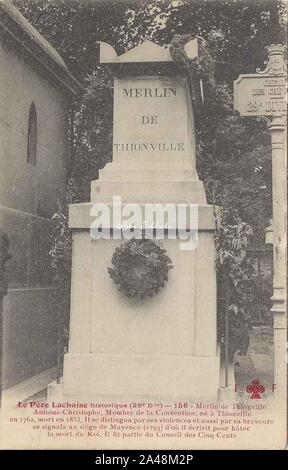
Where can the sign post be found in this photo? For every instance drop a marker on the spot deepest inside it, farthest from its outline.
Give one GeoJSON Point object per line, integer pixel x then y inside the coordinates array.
{"type": "Point", "coordinates": [264, 94]}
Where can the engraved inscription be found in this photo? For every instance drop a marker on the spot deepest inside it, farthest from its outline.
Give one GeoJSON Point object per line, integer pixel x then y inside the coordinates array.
{"type": "Point", "coordinates": [146, 131]}
{"type": "Point", "coordinates": [164, 92]}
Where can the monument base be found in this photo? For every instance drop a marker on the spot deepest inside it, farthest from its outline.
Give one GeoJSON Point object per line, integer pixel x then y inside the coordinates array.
{"type": "Point", "coordinates": [123, 377]}
{"type": "Point", "coordinates": [164, 346]}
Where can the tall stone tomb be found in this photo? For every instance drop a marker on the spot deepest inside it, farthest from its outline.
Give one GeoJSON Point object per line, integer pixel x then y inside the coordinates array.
{"type": "Point", "coordinates": [164, 346]}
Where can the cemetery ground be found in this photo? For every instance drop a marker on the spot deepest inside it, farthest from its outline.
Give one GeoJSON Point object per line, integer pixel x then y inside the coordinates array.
{"type": "Point", "coordinates": [257, 364]}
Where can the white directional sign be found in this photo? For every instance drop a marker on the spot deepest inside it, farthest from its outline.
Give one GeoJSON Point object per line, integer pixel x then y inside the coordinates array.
{"type": "Point", "coordinates": [256, 95]}
{"type": "Point", "coordinates": [263, 93]}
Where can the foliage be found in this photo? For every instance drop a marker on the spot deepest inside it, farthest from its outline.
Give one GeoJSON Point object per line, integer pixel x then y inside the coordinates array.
{"type": "Point", "coordinates": [236, 30]}
{"type": "Point", "coordinates": [5, 255]}
{"type": "Point", "coordinates": [140, 268]}
{"type": "Point", "coordinates": [236, 273]}
{"type": "Point", "coordinates": [233, 186]}
{"type": "Point", "coordinates": [92, 130]}
{"type": "Point", "coordinates": [61, 263]}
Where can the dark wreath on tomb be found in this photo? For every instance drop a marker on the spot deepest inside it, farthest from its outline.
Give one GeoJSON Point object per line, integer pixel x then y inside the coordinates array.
{"type": "Point", "coordinates": [140, 268]}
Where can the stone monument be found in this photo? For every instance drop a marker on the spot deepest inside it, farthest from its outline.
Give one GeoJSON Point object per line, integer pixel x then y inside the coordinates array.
{"type": "Point", "coordinates": [164, 346]}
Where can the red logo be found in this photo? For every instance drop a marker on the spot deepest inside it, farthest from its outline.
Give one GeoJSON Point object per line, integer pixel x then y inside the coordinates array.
{"type": "Point", "coordinates": [255, 388]}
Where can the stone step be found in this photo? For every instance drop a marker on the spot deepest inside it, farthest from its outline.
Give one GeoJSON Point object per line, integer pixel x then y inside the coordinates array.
{"type": "Point", "coordinates": [149, 191]}
{"type": "Point", "coordinates": [82, 215]}
{"type": "Point", "coordinates": [148, 174]}
{"type": "Point", "coordinates": [151, 160]}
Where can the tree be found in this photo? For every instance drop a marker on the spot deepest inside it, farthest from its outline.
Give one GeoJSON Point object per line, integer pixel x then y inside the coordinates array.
{"type": "Point", "coordinates": [237, 30]}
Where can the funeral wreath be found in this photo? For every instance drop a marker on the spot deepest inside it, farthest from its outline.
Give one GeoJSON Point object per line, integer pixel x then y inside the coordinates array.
{"type": "Point", "coordinates": [140, 268]}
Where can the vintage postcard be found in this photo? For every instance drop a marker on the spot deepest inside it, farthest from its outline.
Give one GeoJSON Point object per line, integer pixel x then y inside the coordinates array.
{"type": "Point", "coordinates": [143, 224]}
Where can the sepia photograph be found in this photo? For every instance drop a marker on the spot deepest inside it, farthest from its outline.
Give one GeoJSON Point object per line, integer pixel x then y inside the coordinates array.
{"type": "Point", "coordinates": [143, 225]}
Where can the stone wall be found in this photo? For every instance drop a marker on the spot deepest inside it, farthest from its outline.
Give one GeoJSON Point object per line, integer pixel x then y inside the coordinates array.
{"type": "Point", "coordinates": [28, 197]}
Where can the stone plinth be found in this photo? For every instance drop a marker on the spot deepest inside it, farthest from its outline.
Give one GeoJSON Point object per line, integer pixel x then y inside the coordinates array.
{"type": "Point", "coordinates": [136, 345]}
